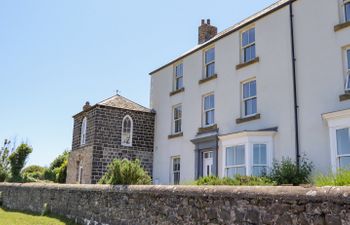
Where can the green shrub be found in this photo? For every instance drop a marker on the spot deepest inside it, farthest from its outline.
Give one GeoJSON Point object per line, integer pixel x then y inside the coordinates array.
{"type": "Point", "coordinates": [340, 178]}
{"type": "Point", "coordinates": [17, 161]}
{"type": "Point", "coordinates": [34, 171]}
{"type": "Point", "coordinates": [49, 175]}
{"type": "Point", "coordinates": [59, 160]}
{"type": "Point", "coordinates": [125, 172]}
{"type": "Point", "coordinates": [236, 181]}
{"type": "Point", "coordinates": [287, 172]}
{"type": "Point", "coordinates": [3, 174]}
{"type": "Point", "coordinates": [61, 172]}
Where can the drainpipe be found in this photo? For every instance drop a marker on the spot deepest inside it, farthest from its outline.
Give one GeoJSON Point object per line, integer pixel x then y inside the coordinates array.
{"type": "Point", "coordinates": [295, 95]}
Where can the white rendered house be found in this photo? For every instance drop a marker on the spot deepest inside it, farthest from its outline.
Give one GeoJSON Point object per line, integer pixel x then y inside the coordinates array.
{"type": "Point", "coordinates": [274, 85]}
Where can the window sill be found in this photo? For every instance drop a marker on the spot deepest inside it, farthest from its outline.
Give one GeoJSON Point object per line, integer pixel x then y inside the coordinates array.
{"type": "Point", "coordinates": [344, 97]}
{"type": "Point", "coordinates": [203, 130]}
{"type": "Point", "coordinates": [175, 135]}
{"type": "Point", "coordinates": [204, 80]}
{"type": "Point", "coordinates": [341, 26]}
{"type": "Point", "coordinates": [248, 119]}
{"type": "Point", "coordinates": [177, 91]}
{"type": "Point", "coordinates": [242, 65]}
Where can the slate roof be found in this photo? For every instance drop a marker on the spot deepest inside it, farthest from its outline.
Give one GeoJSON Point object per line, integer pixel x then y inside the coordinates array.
{"type": "Point", "coordinates": [121, 102]}
{"type": "Point", "coordinates": [277, 5]}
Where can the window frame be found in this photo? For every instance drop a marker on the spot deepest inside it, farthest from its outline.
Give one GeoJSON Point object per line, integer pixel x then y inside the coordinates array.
{"type": "Point", "coordinates": [83, 131]}
{"type": "Point", "coordinates": [345, 3]}
{"type": "Point", "coordinates": [226, 167]}
{"type": "Point", "coordinates": [337, 155]}
{"type": "Point", "coordinates": [204, 111]}
{"type": "Point", "coordinates": [244, 100]}
{"type": "Point", "coordinates": [173, 172]}
{"type": "Point", "coordinates": [206, 64]}
{"type": "Point", "coordinates": [174, 120]}
{"type": "Point", "coordinates": [243, 58]}
{"type": "Point", "coordinates": [176, 78]}
{"type": "Point", "coordinates": [347, 68]}
{"type": "Point", "coordinates": [123, 133]}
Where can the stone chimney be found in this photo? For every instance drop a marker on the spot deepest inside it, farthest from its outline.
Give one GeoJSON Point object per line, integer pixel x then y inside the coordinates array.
{"type": "Point", "coordinates": [86, 106]}
{"type": "Point", "coordinates": [206, 31]}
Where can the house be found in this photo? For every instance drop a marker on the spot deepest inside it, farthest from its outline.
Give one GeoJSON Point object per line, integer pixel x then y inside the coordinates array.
{"type": "Point", "coordinates": [276, 84]}
{"type": "Point", "coordinates": [115, 128]}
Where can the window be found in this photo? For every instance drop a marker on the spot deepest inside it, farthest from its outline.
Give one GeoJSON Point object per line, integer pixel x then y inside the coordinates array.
{"type": "Point", "coordinates": [177, 116]}
{"type": "Point", "coordinates": [259, 160]}
{"type": "Point", "coordinates": [178, 76]}
{"type": "Point", "coordinates": [347, 10]}
{"type": "Point", "coordinates": [249, 98]}
{"type": "Point", "coordinates": [248, 45]}
{"type": "Point", "coordinates": [343, 148]}
{"type": "Point", "coordinates": [347, 85]}
{"type": "Point", "coordinates": [127, 127]}
{"type": "Point", "coordinates": [79, 172]}
{"type": "Point", "coordinates": [209, 58]}
{"type": "Point", "coordinates": [83, 132]}
{"type": "Point", "coordinates": [176, 171]}
{"type": "Point", "coordinates": [208, 110]}
{"type": "Point", "coordinates": [235, 161]}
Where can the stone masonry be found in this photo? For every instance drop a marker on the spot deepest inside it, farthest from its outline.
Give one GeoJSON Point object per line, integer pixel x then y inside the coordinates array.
{"type": "Point", "coordinates": [190, 205]}
{"type": "Point", "coordinates": [103, 138]}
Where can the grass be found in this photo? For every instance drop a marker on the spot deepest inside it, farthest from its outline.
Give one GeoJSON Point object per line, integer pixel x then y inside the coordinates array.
{"type": "Point", "coordinates": [340, 178]}
{"type": "Point", "coordinates": [20, 218]}
{"type": "Point", "coordinates": [236, 181]}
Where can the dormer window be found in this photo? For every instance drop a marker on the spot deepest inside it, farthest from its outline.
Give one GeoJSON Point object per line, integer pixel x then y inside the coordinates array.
{"type": "Point", "coordinates": [127, 128]}
{"type": "Point", "coordinates": [83, 131]}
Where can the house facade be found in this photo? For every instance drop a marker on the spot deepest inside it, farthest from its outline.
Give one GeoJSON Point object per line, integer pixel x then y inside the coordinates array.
{"type": "Point", "coordinates": [274, 85]}
{"type": "Point", "coordinates": [115, 128]}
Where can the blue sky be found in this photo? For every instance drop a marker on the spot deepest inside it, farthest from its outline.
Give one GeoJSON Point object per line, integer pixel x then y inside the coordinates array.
{"type": "Point", "coordinates": [55, 55]}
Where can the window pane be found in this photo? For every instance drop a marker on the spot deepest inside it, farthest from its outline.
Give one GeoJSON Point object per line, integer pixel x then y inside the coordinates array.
{"type": "Point", "coordinates": [252, 89]}
{"type": "Point", "coordinates": [246, 90]}
{"type": "Point", "coordinates": [179, 70]}
{"type": "Point", "coordinates": [209, 117]}
{"type": "Point", "coordinates": [240, 155]}
{"type": "Point", "coordinates": [343, 141]}
{"type": "Point", "coordinates": [252, 52]}
{"type": "Point", "coordinates": [259, 154]}
{"type": "Point", "coordinates": [179, 83]}
{"type": "Point", "coordinates": [235, 155]}
{"type": "Point", "coordinates": [245, 38]}
{"type": "Point", "coordinates": [210, 55]}
{"type": "Point", "coordinates": [209, 102]}
{"type": "Point", "coordinates": [344, 162]}
{"type": "Point", "coordinates": [348, 53]}
{"type": "Point", "coordinates": [252, 35]}
{"type": "Point", "coordinates": [250, 106]}
{"type": "Point", "coordinates": [177, 112]}
{"type": "Point", "coordinates": [232, 172]}
{"type": "Point", "coordinates": [177, 126]}
{"type": "Point", "coordinates": [347, 11]}
{"type": "Point", "coordinates": [247, 55]}
{"type": "Point", "coordinates": [210, 69]}
{"type": "Point", "coordinates": [259, 170]}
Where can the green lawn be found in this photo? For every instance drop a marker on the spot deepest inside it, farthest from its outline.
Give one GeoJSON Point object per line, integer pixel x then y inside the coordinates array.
{"type": "Point", "coordinates": [19, 218]}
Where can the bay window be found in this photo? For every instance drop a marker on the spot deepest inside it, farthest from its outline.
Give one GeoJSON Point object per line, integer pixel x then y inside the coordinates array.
{"type": "Point", "coordinates": [235, 161]}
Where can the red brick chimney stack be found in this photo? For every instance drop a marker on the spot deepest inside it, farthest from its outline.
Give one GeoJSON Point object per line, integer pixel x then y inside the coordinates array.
{"type": "Point", "coordinates": [206, 31]}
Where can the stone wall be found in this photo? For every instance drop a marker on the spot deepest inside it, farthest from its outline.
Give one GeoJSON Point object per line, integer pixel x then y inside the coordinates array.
{"type": "Point", "coordinates": [137, 205]}
{"type": "Point", "coordinates": [83, 155]}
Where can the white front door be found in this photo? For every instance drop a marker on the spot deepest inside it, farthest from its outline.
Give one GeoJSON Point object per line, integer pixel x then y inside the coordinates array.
{"type": "Point", "coordinates": [207, 163]}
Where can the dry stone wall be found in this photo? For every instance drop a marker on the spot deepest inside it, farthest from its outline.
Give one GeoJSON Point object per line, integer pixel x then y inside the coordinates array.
{"type": "Point", "coordinates": [134, 205]}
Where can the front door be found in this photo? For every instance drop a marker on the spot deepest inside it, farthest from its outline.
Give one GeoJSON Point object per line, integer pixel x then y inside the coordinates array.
{"type": "Point", "coordinates": [207, 163]}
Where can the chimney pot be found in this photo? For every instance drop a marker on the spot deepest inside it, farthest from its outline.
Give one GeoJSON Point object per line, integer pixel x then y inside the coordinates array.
{"type": "Point", "coordinates": [208, 21]}
{"type": "Point", "coordinates": [203, 21]}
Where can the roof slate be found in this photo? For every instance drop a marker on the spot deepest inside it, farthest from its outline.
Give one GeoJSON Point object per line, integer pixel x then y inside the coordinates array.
{"type": "Point", "coordinates": [121, 102]}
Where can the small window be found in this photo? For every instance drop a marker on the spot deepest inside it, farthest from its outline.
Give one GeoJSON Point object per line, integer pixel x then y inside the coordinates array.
{"type": "Point", "coordinates": [347, 10]}
{"type": "Point", "coordinates": [235, 161]}
{"type": "Point", "coordinates": [176, 171]}
{"type": "Point", "coordinates": [83, 131]}
{"type": "Point", "coordinates": [248, 45]}
{"type": "Point", "coordinates": [178, 76]}
{"type": "Point", "coordinates": [343, 148]}
{"type": "Point", "coordinates": [259, 160]}
{"type": "Point", "coordinates": [208, 110]}
{"type": "Point", "coordinates": [209, 58]}
{"type": "Point", "coordinates": [347, 85]}
{"type": "Point", "coordinates": [249, 98]}
{"type": "Point", "coordinates": [177, 117]}
{"type": "Point", "coordinates": [79, 172]}
{"type": "Point", "coordinates": [127, 128]}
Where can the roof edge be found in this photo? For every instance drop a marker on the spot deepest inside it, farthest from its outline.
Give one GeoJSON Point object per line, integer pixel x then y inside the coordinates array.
{"type": "Point", "coordinates": [225, 34]}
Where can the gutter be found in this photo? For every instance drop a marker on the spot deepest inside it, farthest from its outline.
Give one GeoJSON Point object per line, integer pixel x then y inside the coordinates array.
{"type": "Point", "coordinates": [295, 94]}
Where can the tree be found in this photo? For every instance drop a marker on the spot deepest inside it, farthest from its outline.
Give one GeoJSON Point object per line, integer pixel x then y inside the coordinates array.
{"type": "Point", "coordinates": [17, 160]}
{"type": "Point", "coordinates": [5, 151]}
{"type": "Point", "coordinates": [57, 172]}
{"type": "Point", "coordinates": [33, 172]}
{"type": "Point", "coordinates": [125, 172]}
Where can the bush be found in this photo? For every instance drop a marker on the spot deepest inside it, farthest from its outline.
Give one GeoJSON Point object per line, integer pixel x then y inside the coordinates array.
{"type": "Point", "coordinates": [34, 171]}
{"type": "Point", "coordinates": [125, 172]}
{"type": "Point", "coordinates": [340, 178]}
{"type": "Point", "coordinates": [237, 181]}
{"type": "Point", "coordinates": [59, 160]}
{"type": "Point", "coordinates": [17, 161]}
{"type": "Point", "coordinates": [57, 172]}
{"type": "Point", "coordinates": [287, 172]}
{"type": "Point", "coordinates": [61, 172]}
{"type": "Point", "coordinates": [3, 174]}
